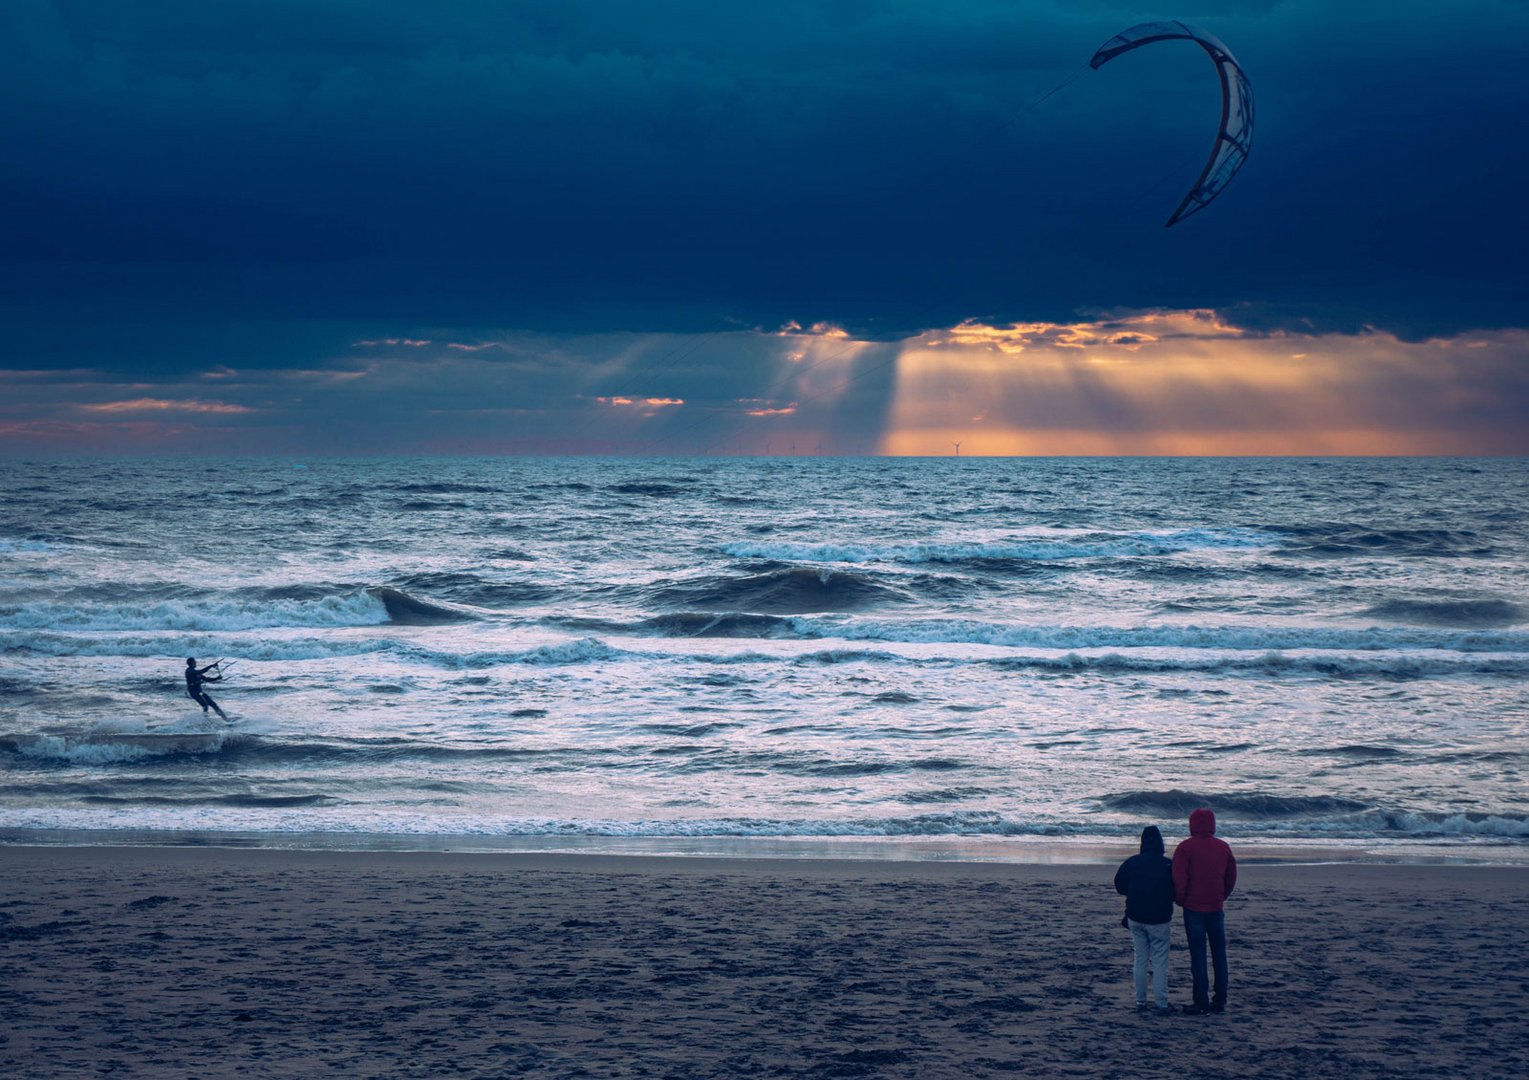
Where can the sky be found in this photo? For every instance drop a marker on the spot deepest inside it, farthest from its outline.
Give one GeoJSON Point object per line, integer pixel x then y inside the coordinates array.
{"type": "Point", "coordinates": [858, 227]}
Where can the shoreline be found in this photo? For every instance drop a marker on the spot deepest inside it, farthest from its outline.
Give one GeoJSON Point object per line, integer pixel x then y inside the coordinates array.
{"type": "Point", "coordinates": [955, 850]}
{"type": "Point", "coordinates": [654, 864]}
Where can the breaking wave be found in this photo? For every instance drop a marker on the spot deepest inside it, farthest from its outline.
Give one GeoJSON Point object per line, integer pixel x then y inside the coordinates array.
{"type": "Point", "coordinates": [405, 610]}
{"type": "Point", "coordinates": [298, 606]}
{"type": "Point", "coordinates": [105, 748]}
{"type": "Point", "coordinates": [259, 648]}
{"type": "Point", "coordinates": [216, 613]}
{"type": "Point", "coordinates": [113, 748]}
{"type": "Point", "coordinates": [1393, 663]}
{"type": "Point", "coordinates": [777, 592]}
{"type": "Point", "coordinates": [1370, 825]}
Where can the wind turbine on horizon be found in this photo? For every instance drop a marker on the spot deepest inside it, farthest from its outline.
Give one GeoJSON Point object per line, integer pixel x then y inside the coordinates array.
{"type": "Point", "coordinates": [958, 448]}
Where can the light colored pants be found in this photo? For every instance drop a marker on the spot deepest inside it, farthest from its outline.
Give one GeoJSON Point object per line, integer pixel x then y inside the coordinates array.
{"type": "Point", "coordinates": [1150, 941]}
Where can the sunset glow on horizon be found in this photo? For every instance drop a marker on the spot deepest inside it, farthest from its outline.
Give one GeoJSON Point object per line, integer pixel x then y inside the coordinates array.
{"type": "Point", "coordinates": [1191, 383]}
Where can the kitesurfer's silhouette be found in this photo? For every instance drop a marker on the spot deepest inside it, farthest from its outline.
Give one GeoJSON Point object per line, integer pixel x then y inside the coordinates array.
{"type": "Point", "coordinates": [195, 677]}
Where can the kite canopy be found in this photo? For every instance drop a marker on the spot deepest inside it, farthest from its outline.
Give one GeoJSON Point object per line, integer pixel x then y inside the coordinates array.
{"type": "Point", "coordinates": [1235, 136]}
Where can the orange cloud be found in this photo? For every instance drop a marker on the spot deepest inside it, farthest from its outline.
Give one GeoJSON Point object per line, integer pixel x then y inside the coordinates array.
{"type": "Point", "coordinates": [817, 329]}
{"type": "Point", "coordinates": [165, 405]}
{"type": "Point", "coordinates": [461, 346]}
{"type": "Point", "coordinates": [647, 401]}
{"type": "Point", "coordinates": [1129, 332]}
{"type": "Point", "coordinates": [1189, 382]}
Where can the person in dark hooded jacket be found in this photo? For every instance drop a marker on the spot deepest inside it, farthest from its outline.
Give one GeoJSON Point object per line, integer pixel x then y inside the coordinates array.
{"type": "Point", "coordinates": [1146, 881]}
{"type": "Point", "coordinates": [1204, 875]}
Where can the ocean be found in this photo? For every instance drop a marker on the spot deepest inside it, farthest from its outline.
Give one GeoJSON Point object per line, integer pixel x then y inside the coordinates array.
{"type": "Point", "coordinates": [968, 657]}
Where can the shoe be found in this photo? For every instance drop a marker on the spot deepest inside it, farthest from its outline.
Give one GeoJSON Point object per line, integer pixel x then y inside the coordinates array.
{"type": "Point", "coordinates": [1218, 1006]}
{"type": "Point", "coordinates": [1142, 1006]}
{"type": "Point", "coordinates": [1164, 1010]}
{"type": "Point", "coordinates": [1196, 1010]}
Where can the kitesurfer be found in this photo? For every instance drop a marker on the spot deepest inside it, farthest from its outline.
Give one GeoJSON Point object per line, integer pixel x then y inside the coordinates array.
{"type": "Point", "coordinates": [195, 677]}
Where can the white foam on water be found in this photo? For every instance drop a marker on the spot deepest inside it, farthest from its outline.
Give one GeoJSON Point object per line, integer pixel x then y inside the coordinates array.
{"type": "Point", "coordinates": [357, 609]}
{"type": "Point", "coordinates": [353, 818]}
{"type": "Point", "coordinates": [1228, 637]}
{"type": "Point", "coordinates": [108, 748]}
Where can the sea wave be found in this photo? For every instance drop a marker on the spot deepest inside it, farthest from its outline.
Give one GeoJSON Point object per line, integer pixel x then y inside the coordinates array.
{"type": "Point", "coordinates": [349, 818]}
{"type": "Point", "coordinates": [1355, 752]}
{"type": "Point", "coordinates": [707, 624]}
{"type": "Point", "coordinates": [441, 488]}
{"type": "Point", "coordinates": [212, 800]}
{"type": "Point", "coordinates": [1051, 546]}
{"type": "Point", "coordinates": [405, 610]}
{"type": "Point", "coordinates": [176, 643]}
{"type": "Point", "coordinates": [233, 610]}
{"type": "Point", "coordinates": [786, 591]}
{"type": "Point", "coordinates": [734, 624]}
{"type": "Point", "coordinates": [1388, 664]}
{"type": "Point", "coordinates": [1397, 665]}
{"type": "Point", "coordinates": [659, 489]}
{"type": "Point", "coordinates": [470, 588]}
{"type": "Point", "coordinates": [1343, 539]}
{"type": "Point", "coordinates": [116, 747]}
{"type": "Point", "coordinates": [262, 648]}
{"type": "Point", "coordinates": [1485, 612]}
{"type": "Point", "coordinates": [231, 748]}
{"type": "Point", "coordinates": [210, 613]}
{"type": "Point", "coordinates": [1241, 804]}
{"type": "Point", "coordinates": [1233, 637]}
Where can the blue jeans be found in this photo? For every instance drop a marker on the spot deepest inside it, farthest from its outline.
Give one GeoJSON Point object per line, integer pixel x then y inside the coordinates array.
{"type": "Point", "coordinates": [1150, 944]}
{"type": "Point", "coordinates": [1200, 927]}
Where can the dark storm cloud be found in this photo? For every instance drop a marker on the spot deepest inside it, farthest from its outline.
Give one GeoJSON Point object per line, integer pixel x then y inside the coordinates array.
{"type": "Point", "coordinates": [735, 392]}
{"type": "Point", "coordinates": [259, 183]}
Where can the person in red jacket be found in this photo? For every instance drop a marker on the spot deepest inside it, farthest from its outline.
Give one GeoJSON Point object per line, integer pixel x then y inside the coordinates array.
{"type": "Point", "coordinates": [1204, 874]}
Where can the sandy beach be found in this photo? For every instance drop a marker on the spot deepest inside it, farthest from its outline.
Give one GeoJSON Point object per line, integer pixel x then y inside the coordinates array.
{"type": "Point", "coordinates": [209, 962]}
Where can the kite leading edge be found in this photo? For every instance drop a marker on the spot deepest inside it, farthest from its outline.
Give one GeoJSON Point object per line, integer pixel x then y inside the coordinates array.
{"type": "Point", "coordinates": [1234, 138]}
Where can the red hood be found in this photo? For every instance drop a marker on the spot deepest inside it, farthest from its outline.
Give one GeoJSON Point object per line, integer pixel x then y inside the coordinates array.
{"type": "Point", "coordinates": [1202, 822]}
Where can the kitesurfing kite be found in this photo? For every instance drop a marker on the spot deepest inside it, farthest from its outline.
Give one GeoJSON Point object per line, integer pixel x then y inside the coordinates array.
{"type": "Point", "coordinates": [1234, 137]}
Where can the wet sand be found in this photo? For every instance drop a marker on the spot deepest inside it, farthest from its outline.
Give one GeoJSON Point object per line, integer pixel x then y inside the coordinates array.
{"type": "Point", "coordinates": [171, 962]}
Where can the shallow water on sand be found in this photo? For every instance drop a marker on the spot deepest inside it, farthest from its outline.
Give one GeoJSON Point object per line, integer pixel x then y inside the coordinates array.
{"type": "Point", "coordinates": [1322, 650]}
